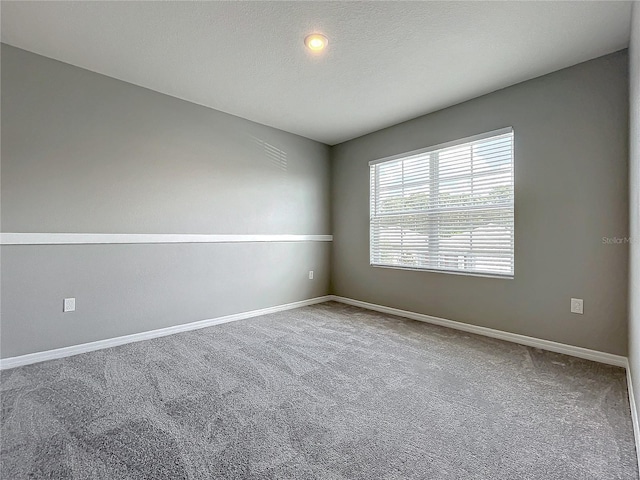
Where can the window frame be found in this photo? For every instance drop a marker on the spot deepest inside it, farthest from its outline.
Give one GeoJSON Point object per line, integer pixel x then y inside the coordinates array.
{"type": "Point", "coordinates": [430, 149]}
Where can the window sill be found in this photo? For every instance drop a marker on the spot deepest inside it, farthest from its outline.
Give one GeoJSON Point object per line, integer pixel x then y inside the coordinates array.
{"type": "Point", "coordinates": [449, 272]}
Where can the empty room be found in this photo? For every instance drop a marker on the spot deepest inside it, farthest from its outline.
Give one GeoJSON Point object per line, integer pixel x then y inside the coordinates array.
{"type": "Point", "coordinates": [320, 240]}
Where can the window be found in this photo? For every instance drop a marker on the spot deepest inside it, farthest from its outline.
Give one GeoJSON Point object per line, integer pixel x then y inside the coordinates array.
{"type": "Point", "coordinates": [446, 208]}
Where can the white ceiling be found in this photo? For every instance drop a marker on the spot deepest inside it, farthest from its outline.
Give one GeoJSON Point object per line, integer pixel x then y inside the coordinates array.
{"type": "Point", "coordinates": [386, 61]}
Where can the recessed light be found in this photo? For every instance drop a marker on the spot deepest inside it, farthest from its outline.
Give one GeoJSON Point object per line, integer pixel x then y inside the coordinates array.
{"type": "Point", "coordinates": [316, 42]}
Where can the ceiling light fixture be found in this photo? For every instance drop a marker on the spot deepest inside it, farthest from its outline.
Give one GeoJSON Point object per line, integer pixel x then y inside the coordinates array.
{"type": "Point", "coordinates": [316, 42]}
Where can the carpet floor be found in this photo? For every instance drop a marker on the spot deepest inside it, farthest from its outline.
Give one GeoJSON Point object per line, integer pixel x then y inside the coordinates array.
{"type": "Point", "coordinates": [328, 392]}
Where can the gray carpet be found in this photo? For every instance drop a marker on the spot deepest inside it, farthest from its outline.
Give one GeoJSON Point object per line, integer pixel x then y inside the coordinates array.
{"type": "Point", "coordinates": [328, 391]}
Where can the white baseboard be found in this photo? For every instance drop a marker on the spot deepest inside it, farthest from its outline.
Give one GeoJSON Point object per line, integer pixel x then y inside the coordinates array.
{"type": "Point", "coordinates": [580, 352]}
{"type": "Point", "coordinates": [30, 358]}
{"type": "Point", "coordinates": [634, 412]}
{"type": "Point", "coordinates": [594, 355]}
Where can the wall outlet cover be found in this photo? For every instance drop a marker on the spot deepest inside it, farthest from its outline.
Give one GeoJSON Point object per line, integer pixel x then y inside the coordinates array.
{"type": "Point", "coordinates": [577, 305]}
{"type": "Point", "coordinates": [69, 305]}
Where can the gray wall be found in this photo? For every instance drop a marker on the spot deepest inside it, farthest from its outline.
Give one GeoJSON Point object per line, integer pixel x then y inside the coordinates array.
{"type": "Point", "coordinates": [571, 187]}
{"type": "Point", "coordinates": [86, 153]}
{"type": "Point", "coordinates": [634, 200]}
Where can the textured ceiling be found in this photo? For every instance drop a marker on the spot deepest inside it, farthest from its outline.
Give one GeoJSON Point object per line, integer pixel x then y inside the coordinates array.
{"type": "Point", "coordinates": [386, 61]}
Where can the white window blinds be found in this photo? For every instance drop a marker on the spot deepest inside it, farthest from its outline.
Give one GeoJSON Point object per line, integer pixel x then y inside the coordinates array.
{"type": "Point", "coordinates": [448, 207]}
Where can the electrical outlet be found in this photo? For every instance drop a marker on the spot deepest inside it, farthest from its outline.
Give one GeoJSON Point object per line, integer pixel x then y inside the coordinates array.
{"type": "Point", "coordinates": [310, 274]}
{"type": "Point", "coordinates": [577, 305]}
{"type": "Point", "coordinates": [69, 305]}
